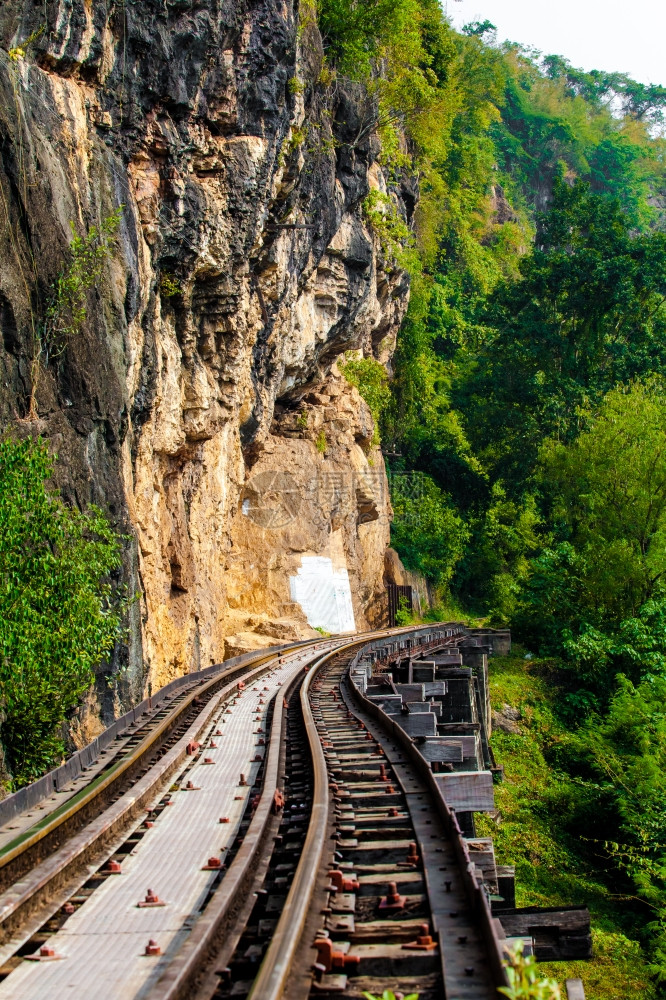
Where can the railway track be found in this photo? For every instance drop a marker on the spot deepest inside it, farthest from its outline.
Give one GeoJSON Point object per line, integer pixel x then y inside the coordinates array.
{"type": "Point", "coordinates": [265, 837]}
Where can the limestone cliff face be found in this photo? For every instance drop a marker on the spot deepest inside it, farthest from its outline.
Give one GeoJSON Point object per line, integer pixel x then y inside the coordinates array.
{"type": "Point", "coordinates": [201, 405]}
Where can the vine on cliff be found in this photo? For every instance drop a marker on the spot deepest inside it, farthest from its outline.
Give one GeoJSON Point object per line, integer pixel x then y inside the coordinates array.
{"type": "Point", "coordinates": [66, 305]}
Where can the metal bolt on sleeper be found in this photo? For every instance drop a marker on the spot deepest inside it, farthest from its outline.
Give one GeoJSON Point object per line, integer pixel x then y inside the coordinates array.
{"type": "Point", "coordinates": [393, 900]}
{"type": "Point", "coordinates": [424, 941]}
{"type": "Point", "coordinates": [413, 855]}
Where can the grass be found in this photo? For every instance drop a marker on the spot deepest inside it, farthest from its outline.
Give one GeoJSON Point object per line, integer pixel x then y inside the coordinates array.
{"type": "Point", "coordinates": [553, 865]}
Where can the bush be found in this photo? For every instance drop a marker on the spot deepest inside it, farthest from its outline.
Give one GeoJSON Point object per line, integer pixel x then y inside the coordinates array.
{"type": "Point", "coordinates": [59, 613]}
{"type": "Point", "coordinates": [371, 380]}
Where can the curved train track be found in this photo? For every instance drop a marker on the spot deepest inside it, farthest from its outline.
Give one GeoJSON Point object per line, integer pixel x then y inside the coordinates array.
{"type": "Point", "coordinates": [270, 834]}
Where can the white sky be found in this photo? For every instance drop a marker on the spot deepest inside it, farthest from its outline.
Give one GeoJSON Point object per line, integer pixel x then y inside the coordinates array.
{"type": "Point", "coordinates": [627, 37]}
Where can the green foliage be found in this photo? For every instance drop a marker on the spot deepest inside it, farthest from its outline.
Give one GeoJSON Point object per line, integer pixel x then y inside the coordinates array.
{"type": "Point", "coordinates": [403, 616]}
{"type": "Point", "coordinates": [556, 115]}
{"type": "Point", "coordinates": [552, 822]}
{"type": "Point", "coordinates": [169, 286]}
{"type": "Point", "coordinates": [321, 443]}
{"type": "Point", "coordinates": [297, 138]}
{"type": "Point", "coordinates": [426, 530]}
{"type": "Point", "coordinates": [395, 237]}
{"type": "Point", "coordinates": [19, 52]}
{"type": "Point", "coordinates": [525, 981]}
{"type": "Point", "coordinates": [371, 380]}
{"type": "Point", "coordinates": [625, 751]}
{"type": "Point", "coordinates": [295, 86]}
{"type": "Point", "coordinates": [480, 29]}
{"type": "Point", "coordinates": [307, 17]}
{"type": "Point", "coordinates": [388, 995]}
{"type": "Point", "coordinates": [497, 561]}
{"type": "Point", "coordinates": [586, 315]}
{"type": "Point", "coordinates": [60, 615]}
{"type": "Point", "coordinates": [609, 488]}
{"type": "Point", "coordinates": [596, 596]}
{"type": "Point", "coordinates": [356, 33]}
{"type": "Point", "coordinates": [66, 307]}
{"type": "Point", "coordinates": [627, 748]}
{"type": "Point", "coordinates": [527, 403]}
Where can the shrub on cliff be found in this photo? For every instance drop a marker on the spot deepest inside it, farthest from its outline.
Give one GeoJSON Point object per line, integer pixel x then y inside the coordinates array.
{"type": "Point", "coordinates": [371, 380]}
{"type": "Point", "coordinates": [59, 613]}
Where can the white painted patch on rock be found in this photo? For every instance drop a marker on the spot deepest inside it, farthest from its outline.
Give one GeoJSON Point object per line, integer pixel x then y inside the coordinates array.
{"type": "Point", "coordinates": [324, 594]}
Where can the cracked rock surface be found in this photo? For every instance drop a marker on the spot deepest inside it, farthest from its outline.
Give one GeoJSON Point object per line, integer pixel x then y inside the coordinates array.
{"type": "Point", "coordinates": [206, 368]}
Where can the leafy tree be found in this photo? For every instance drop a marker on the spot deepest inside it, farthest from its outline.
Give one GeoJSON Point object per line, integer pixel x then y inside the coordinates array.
{"type": "Point", "coordinates": [354, 33]}
{"type": "Point", "coordinates": [626, 751]}
{"type": "Point", "coordinates": [610, 486]}
{"type": "Point", "coordinates": [597, 596]}
{"type": "Point", "coordinates": [496, 564]}
{"type": "Point", "coordinates": [60, 615]}
{"type": "Point", "coordinates": [587, 314]}
{"type": "Point", "coordinates": [481, 29]}
{"type": "Point", "coordinates": [426, 529]}
{"type": "Point", "coordinates": [556, 116]}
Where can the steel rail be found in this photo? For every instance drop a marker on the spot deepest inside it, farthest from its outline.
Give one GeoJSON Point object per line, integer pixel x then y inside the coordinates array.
{"type": "Point", "coordinates": [185, 972]}
{"type": "Point", "coordinates": [62, 814]}
{"type": "Point", "coordinates": [22, 895]}
{"type": "Point", "coordinates": [179, 978]}
{"type": "Point", "coordinates": [272, 976]}
{"type": "Point", "coordinates": [271, 980]}
{"type": "Point", "coordinates": [478, 900]}
{"type": "Point", "coordinates": [58, 817]}
{"type": "Point", "coordinates": [71, 859]}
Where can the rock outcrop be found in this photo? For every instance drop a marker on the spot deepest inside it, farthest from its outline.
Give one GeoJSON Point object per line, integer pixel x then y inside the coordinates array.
{"type": "Point", "coordinates": [201, 405]}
